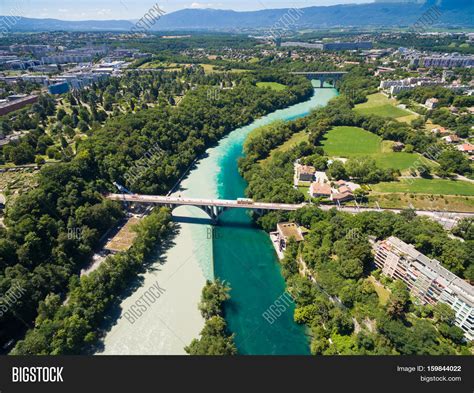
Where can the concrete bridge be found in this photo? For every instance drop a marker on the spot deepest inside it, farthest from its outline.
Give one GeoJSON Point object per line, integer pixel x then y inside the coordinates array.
{"type": "Point", "coordinates": [323, 76]}
{"type": "Point", "coordinates": [212, 207]}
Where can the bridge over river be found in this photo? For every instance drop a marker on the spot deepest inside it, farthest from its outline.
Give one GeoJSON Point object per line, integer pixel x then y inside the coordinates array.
{"type": "Point", "coordinates": [322, 76]}
{"type": "Point", "coordinates": [214, 207]}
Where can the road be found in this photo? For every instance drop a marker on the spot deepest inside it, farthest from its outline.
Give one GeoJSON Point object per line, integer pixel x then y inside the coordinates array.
{"type": "Point", "coordinates": [226, 203]}
{"type": "Point", "coordinates": [446, 218]}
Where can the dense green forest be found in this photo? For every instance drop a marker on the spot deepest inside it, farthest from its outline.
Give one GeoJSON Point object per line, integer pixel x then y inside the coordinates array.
{"type": "Point", "coordinates": [214, 340]}
{"type": "Point", "coordinates": [36, 252]}
{"type": "Point", "coordinates": [72, 326]}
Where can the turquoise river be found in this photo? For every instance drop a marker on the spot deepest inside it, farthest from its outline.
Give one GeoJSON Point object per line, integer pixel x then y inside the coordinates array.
{"type": "Point", "coordinates": [244, 256]}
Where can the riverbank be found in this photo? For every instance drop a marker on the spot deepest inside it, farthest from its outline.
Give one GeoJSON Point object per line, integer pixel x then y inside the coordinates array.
{"type": "Point", "coordinates": [174, 320]}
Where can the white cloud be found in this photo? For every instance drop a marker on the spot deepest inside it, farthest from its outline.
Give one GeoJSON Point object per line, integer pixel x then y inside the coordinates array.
{"type": "Point", "coordinates": [201, 5]}
{"type": "Point", "coordinates": [104, 11]}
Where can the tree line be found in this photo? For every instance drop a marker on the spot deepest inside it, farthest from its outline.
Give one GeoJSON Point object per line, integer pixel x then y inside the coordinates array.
{"type": "Point", "coordinates": [214, 340]}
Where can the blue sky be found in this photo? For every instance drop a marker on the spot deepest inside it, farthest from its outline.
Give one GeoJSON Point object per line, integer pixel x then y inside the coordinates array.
{"type": "Point", "coordinates": [133, 9]}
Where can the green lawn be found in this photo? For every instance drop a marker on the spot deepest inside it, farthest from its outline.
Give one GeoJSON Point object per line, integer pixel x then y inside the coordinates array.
{"type": "Point", "coordinates": [428, 186]}
{"type": "Point", "coordinates": [304, 190]}
{"type": "Point", "coordinates": [401, 160]}
{"type": "Point", "coordinates": [384, 110]}
{"type": "Point", "coordinates": [210, 69]}
{"type": "Point", "coordinates": [377, 99]}
{"type": "Point", "coordinates": [295, 140]}
{"type": "Point", "coordinates": [353, 141]}
{"type": "Point", "coordinates": [382, 292]}
{"type": "Point", "coordinates": [350, 141]}
{"type": "Point", "coordinates": [272, 85]}
{"type": "Point", "coordinates": [379, 104]}
{"type": "Point", "coordinates": [158, 64]}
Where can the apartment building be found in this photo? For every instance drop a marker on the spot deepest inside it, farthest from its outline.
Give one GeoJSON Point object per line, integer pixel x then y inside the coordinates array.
{"type": "Point", "coordinates": [427, 280]}
{"type": "Point", "coordinates": [80, 55]}
{"type": "Point", "coordinates": [307, 45]}
{"type": "Point", "coordinates": [445, 61]}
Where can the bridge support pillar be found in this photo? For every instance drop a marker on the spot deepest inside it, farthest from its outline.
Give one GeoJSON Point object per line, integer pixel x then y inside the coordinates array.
{"type": "Point", "coordinates": [212, 212]}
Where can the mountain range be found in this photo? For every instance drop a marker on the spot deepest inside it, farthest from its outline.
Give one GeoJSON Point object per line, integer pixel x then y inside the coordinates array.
{"type": "Point", "coordinates": [458, 13]}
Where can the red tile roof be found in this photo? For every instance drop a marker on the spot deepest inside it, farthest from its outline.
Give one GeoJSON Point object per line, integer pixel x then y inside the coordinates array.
{"type": "Point", "coordinates": [320, 189]}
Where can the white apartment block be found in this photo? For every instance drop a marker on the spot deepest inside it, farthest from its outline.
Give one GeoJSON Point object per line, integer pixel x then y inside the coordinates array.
{"type": "Point", "coordinates": [427, 280]}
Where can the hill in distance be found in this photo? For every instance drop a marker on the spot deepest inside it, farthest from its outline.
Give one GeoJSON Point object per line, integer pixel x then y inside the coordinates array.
{"type": "Point", "coordinates": [458, 13]}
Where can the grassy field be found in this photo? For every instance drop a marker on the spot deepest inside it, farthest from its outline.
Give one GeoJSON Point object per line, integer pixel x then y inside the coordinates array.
{"type": "Point", "coordinates": [209, 69]}
{"type": "Point", "coordinates": [406, 119]}
{"type": "Point", "coordinates": [379, 104]}
{"type": "Point", "coordinates": [428, 186]}
{"type": "Point", "coordinates": [382, 292]}
{"type": "Point", "coordinates": [304, 190]}
{"type": "Point", "coordinates": [350, 141]}
{"type": "Point", "coordinates": [296, 139]}
{"type": "Point", "coordinates": [353, 141]}
{"type": "Point", "coordinates": [383, 110]}
{"type": "Point", "coordinates": [423, 201]}
{"type": "Point", "coordinates": [158, 64]}
{"type": "Point", "coordinates": [401, 160]}
{"type": "Point", "coordinates": [272, 85]}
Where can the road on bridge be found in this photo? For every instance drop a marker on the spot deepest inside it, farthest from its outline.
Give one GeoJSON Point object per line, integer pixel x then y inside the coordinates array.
{"type": "Point", "coordinates": [446, 218]}
{"type": "Point", "coordinates": [227, 203]}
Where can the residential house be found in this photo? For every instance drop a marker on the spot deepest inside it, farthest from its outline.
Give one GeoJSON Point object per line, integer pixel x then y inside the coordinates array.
{"type": "Point", "coordinates": [344, 189]}
{"type": "Point", "coordinates": [466, 148]}
{"type": "Point", "coordinates": [440, 131]}
{"type": "Point", "coordinates": [342, 197]}
{"type": "Point", "coordinates": [451, 139]}
{"type": "Point", "coordinates": [317, 190]}
{"type": "Point", "coordinates": [398, 146]}
{"type": "Point", "coordinates": [305, 172]}
{"type": "Point", "coordinates": [287, 231]}
{"type": "Point", "coordinates": [431, 103]}
{"type": "Point", "coordinates": [453, 109]}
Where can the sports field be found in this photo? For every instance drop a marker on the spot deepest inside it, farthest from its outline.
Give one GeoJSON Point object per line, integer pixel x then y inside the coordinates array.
{"type": "Point", "coordinates": [353, 141]}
